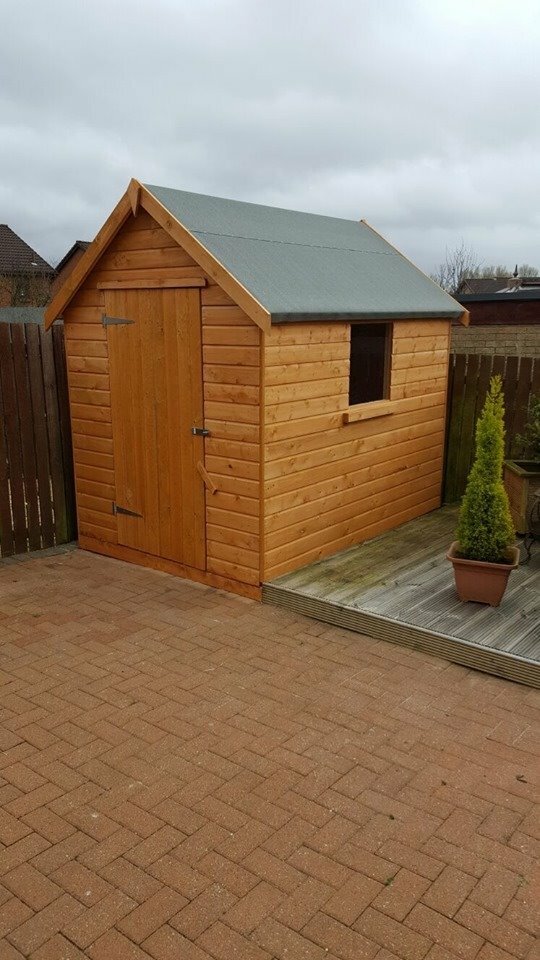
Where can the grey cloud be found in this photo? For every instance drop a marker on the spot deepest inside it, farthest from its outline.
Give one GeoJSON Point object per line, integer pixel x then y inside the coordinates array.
{"type": "Point", "coordinates": [419, 115]}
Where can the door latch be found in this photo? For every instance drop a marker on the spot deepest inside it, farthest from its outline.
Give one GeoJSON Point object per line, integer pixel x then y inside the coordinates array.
{"type": "Point", "coordinates": [200, 432]}
{"type": "Point", "coordinates": [114, 321]}
{"type": "Point", "coordinates": [124, 511]}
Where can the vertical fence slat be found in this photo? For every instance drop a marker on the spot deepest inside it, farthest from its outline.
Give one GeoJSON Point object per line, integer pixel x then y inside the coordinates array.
{"type": "Point", "coordinates": [40, 433]}
{"type": "Point", "coordinates": [521, 402]}
{"type": "Point", "coordinates": [24, 403]}
{"type": "Point", "coordinates": [466, 446]}
{"type": "Point", "coordinates": [13, 438]}
{"type": "Point", "coordinates": [57, 333]}
{"type": "Point", "coordinates": [55, 438]}
{"type": "Point", "coordinates": [456, 404]}
{"type": "Point", "coordinates": [484, 377]}
{"type": "Point", "coordinates": [7, 546]}
{"type": "Point", "coordinates": [510, 387]}
{"type": "Point", "coordinates": [449, 395]}
{"type": "Point", "coordinates": [535, 388]}
{"type": "Point", "coordinates": [498, 367]}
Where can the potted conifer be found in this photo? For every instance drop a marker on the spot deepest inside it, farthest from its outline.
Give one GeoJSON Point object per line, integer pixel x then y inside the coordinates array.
{"type": "Point", "coordinates": [484, 554]}
{"type": "Point", "coordinates": [522, 475]}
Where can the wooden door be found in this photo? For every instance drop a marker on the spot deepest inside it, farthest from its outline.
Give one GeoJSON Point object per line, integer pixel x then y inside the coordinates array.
{"type": "Point", "coordinates": [154, 341]}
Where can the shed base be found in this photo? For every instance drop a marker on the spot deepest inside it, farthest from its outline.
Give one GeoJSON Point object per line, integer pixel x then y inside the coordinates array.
{"type": "Point", "coordinates": [169, 566]}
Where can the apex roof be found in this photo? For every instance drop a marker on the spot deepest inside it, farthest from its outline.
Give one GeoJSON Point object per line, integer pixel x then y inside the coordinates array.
{"type": "Point", "coordinates": [16, 256]}
{"type": "Point", "coordinates": [279, 265]}
{"type": "Point", "coordinates": [304, 266]}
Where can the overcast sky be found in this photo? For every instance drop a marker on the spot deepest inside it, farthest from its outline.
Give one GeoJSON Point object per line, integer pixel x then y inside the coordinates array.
{"type": "Point", "coordinates": [419, 115]}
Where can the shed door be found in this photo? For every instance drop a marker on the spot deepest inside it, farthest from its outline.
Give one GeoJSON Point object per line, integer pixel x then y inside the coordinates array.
{"type": "Point", "coordinates": [156, 399]}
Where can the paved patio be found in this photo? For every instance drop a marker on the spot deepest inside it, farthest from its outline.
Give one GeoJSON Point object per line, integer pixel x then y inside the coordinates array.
{"type": "Point", "coordinates": [189, 775]}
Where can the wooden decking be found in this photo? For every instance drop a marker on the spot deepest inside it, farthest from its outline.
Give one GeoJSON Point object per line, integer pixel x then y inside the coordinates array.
{"type": "Point", "coordinates": [400, 587]}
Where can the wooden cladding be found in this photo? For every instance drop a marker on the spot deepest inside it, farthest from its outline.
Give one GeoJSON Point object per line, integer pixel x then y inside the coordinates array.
{"type": "Point", "coordinates": [231, 372]}
{"type": "Point", "coordinates": [37, 500]}
{"type": "Point", "coordinates": [328, 484]}
{"type": "Point", "coordinates": [144, 257]}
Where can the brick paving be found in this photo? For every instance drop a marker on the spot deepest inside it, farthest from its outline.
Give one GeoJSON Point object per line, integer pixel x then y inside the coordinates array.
{"type": "Point", "coordinates": [187, 775]}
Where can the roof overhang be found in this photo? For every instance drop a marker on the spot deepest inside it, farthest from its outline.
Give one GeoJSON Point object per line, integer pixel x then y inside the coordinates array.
{"type": "Point", "coordinates": [137, 196]}
{"type": "Point", "coordinates": [279, 318]}
{"type": "Point", "coordinates": [512, 297]}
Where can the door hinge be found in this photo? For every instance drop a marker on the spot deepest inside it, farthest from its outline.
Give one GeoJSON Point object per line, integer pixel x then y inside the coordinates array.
{"type": "Point", "coordinates": [114, 321]}
{"type": "Point", "coordinates": [200, 432]}
{"type": "Point", "coordinates": [124, 511]}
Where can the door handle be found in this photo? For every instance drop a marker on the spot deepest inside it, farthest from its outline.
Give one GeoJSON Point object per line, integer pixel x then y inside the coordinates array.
{"type": "Point", "coordinates": [207, 479]}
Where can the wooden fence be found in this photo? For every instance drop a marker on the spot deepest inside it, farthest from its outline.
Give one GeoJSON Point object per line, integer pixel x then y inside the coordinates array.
{"type": "Point", "coordinates": [37, 499]}
{"type": "Point", "coordinates": [467, 387]}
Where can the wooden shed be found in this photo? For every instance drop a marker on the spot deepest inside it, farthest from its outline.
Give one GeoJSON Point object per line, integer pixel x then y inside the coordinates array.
{"type": "Point", "coordinates": [251, 388]}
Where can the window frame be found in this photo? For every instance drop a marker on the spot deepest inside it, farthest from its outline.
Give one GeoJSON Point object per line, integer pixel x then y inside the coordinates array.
{"type": "Point", "coordinates": [387, 364]}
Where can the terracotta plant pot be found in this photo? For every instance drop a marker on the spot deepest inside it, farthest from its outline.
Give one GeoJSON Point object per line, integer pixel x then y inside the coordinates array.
{"type": "Point", "coordinates": [479, 581]}
{"type": "Point", "coordinates": [521, 480]}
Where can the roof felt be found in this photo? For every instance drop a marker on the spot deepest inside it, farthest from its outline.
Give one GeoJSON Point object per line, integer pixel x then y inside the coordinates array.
{"type": "Point", "coordinates": [302, 266]}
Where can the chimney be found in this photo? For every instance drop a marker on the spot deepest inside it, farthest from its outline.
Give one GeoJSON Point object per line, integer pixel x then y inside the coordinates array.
{"type": "Point", "coordinates": [514, 282]}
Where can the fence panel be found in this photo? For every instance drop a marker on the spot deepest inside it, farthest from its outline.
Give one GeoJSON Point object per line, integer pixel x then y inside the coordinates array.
{"type": "Point", "coordinates": [37, 497]}
{"type": "Point", "coordinates": [468, 384]}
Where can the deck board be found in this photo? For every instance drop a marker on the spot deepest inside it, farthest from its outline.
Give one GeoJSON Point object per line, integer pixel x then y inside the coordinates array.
{"type": "Point", "coordinates": [400, 586]}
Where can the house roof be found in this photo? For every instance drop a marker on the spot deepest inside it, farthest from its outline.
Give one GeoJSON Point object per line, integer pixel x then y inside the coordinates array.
{"type": "Point", "coordinates": [475, 286]}
{"type": "Point", "coordinates": [78, 245]}
{"type": "Point", "coordinates": [533, 293]}
{"type": "Point", "coordinates": [278, 265]}
{"type": "Point", "coordinates": [303, 266]}
{"type": "Point", "coordinates": [16, 256]}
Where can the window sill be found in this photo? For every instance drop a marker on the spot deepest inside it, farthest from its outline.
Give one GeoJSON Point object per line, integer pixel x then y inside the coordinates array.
{"type": "Point", "coordinates": [368, 411]}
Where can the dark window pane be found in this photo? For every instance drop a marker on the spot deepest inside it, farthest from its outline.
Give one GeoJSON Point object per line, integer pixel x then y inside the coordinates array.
{"type": "Point", "coordinates": [367, 380]}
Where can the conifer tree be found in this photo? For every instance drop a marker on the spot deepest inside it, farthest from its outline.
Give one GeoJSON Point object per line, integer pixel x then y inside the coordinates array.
{"type": "Point", "coordinates": [485, 528]}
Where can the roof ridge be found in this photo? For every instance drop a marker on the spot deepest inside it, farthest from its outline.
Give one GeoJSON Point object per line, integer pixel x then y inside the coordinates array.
{"type": "Point", "coordinates": [253, 203]}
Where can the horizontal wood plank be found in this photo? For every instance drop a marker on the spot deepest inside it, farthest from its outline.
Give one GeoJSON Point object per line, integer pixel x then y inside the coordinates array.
{"type": "Point", "coordinates": [296, 334]}
{"type": "Point", "coordinates": [231, 393]}
{"type": "Point", "coordinates": [296, 373]}
{"type": "Point", "coordinates": [222, 315]}
{"type": "Point", "coordinates": [236, 356]}
{"type": "Point", "coordinates": [217, 373]}
{"type": "Point", "coordinates": [213, 296]}
{"type": "Point", "coordinates": [212, 334]}
{"type": "Point", "coordinates": [153, 284]}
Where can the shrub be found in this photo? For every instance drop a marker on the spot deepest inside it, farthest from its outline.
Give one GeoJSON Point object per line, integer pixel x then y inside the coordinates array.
{"type": "Point", "coordinates": [485, 528]}
{"type": "Point", "coordinates": [529, 440]}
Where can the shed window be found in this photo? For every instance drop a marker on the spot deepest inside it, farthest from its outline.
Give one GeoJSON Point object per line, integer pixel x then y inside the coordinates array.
{"type": "Point", "coordinates": [370, 362]}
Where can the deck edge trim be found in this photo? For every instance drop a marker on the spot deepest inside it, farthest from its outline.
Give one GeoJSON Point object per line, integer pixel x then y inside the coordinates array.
{"type": "Point", "coordinates": [456, 650]}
